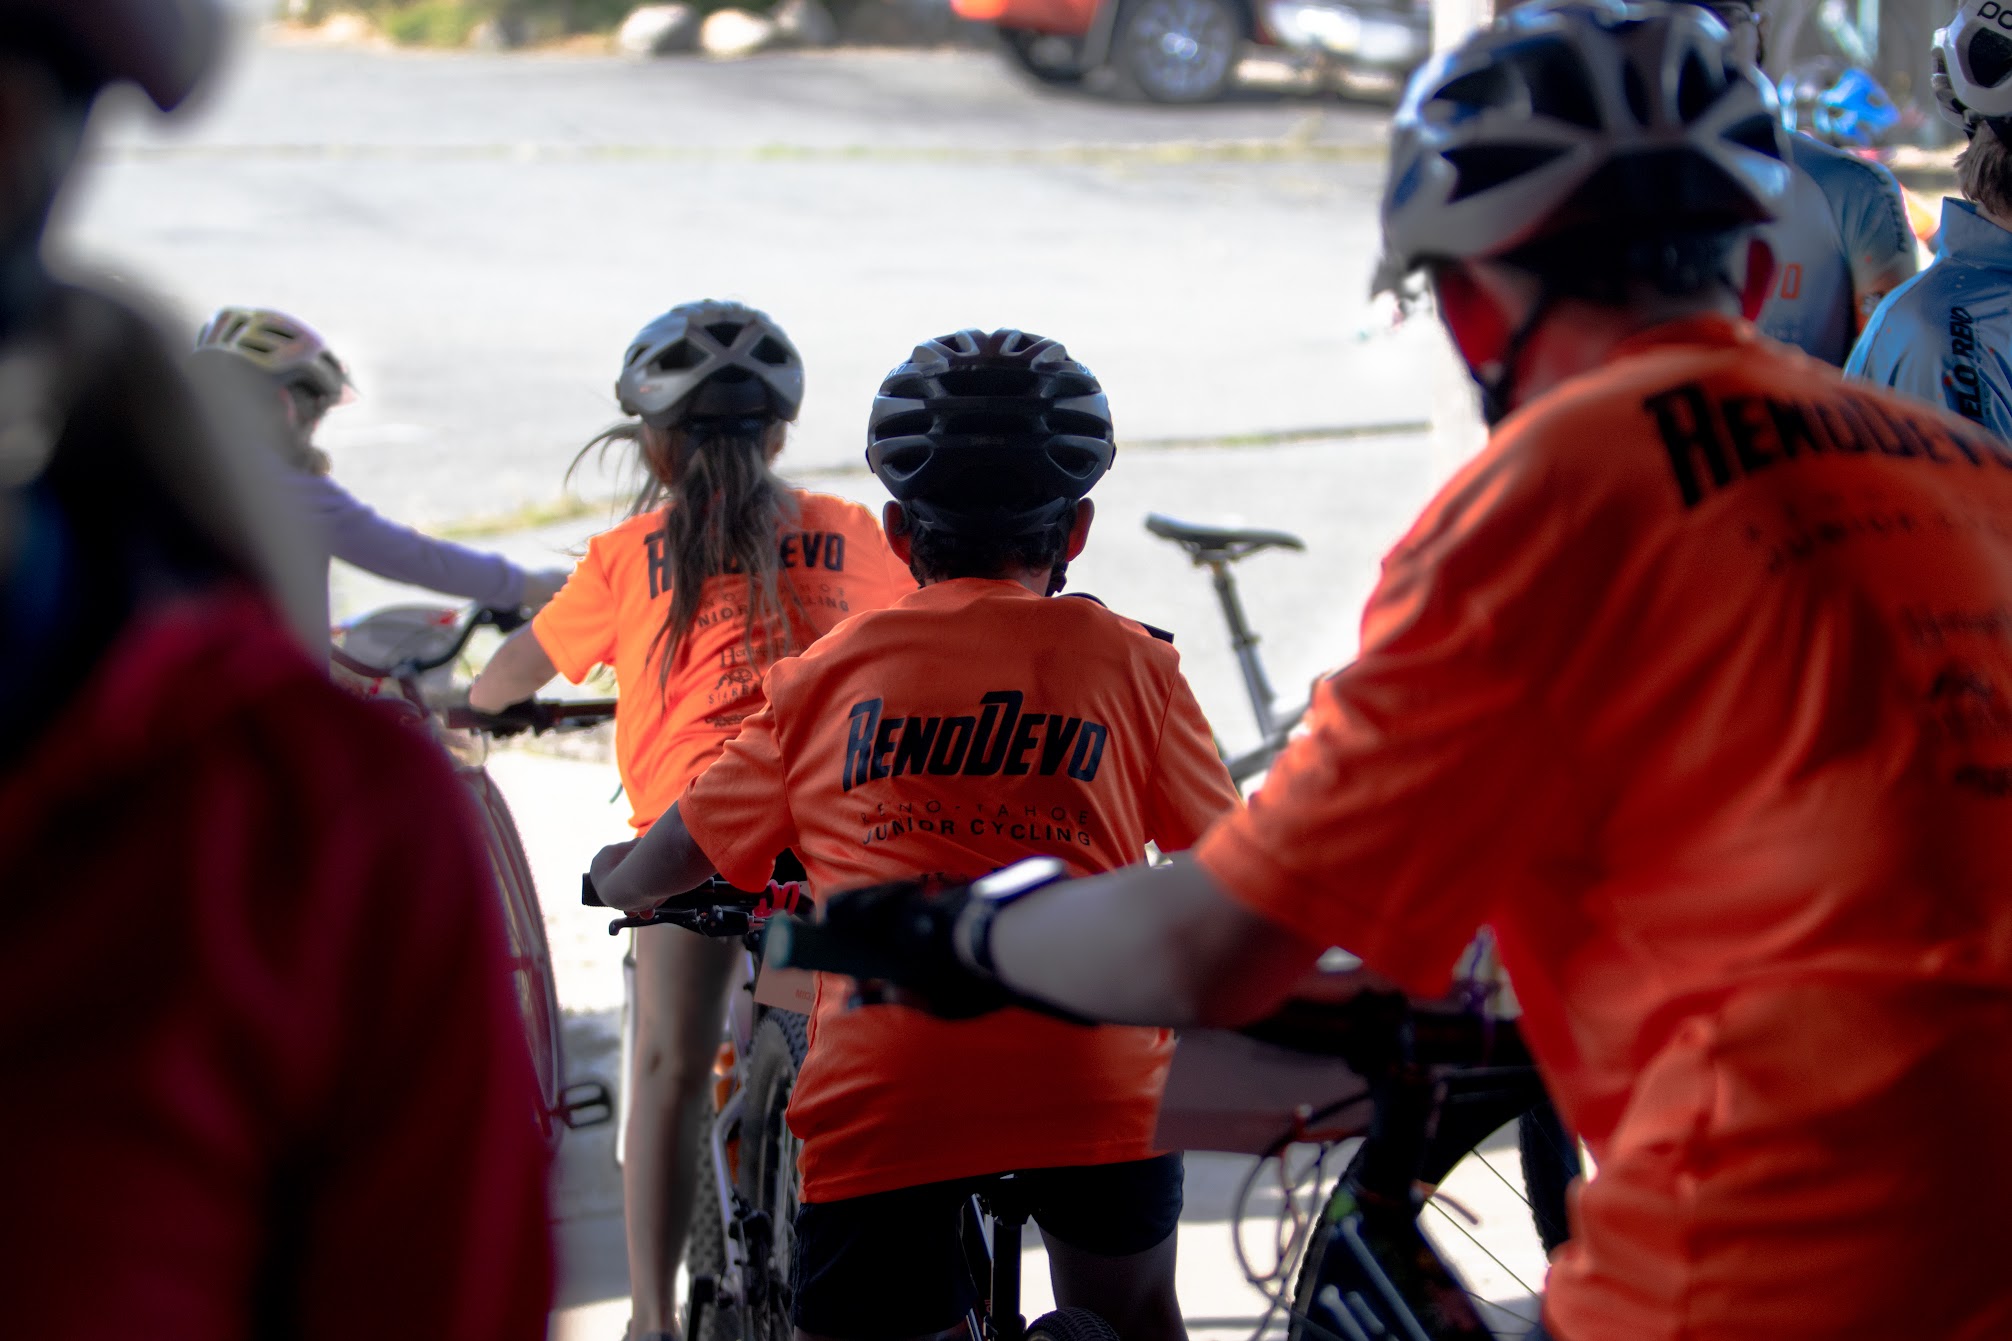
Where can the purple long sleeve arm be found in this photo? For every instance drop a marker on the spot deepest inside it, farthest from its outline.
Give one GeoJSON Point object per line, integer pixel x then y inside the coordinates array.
{"type": "Point", "coordinates": [353, 532]}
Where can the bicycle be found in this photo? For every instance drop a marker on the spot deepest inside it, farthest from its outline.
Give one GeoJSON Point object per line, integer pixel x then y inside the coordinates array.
{"type": "Point", "coordinates": [1546, 1148]}
{"type": "Point", "coordinates": [741, 1247]}
{"type": "Point", "coordinates": [1216, 548]}
{"type": "Point", "coordinates": [1437, 1077]}
{"type": "Point", "coordinates": [402, 657]}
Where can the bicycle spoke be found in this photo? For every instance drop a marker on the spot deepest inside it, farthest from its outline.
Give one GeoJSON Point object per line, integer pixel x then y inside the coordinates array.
{"type": "Point", "coordinates": [1486, 1252]}
{"type": "Point", "coordinates": [1521, 1194]}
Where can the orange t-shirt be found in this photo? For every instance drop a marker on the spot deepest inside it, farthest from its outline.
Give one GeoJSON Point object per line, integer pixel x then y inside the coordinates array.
{"type": "Point", "coordinates": [968, 725]}
{"type": "Point", "coordinates": [835, 563]}
{"type": "Point", "coordinates": [1697, 685]}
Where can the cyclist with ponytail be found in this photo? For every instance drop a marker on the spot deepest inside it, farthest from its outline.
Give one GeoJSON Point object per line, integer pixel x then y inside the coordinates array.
{"type": "Point", "coordinates": [720, 570]}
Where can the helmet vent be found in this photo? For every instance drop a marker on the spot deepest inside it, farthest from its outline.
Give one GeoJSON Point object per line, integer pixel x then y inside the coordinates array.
{"type": "Point", "coordinates": [1559, 85]}
{"type": "Point", "coordinates": [1079, 425]}
{"type": "Point", "coordinates": [911, 424]}
{"type": "Point", "coordinates": [1476, 90]}
{"type": "Point", "coordinates": [1758, 134]}
{"type": "Point", "coordinates": [726, 332]}
{"type": "Point", "coordinates": [989, 381]}
{"type": "Point", "coordinates": [770, 350]}
{"type": "Point", "coordinates": [1636, 92]}
{"type": "Point", "coordinates": [1482, 168]}
{"type": "Point", "coordinates": [983, 428]}
{"type": "Point", "coordinates": [1990, 58]}
{"type": "Point", "coordinates": [1696, 89]}
{"type": "Point", "coordinates": [678, 358]}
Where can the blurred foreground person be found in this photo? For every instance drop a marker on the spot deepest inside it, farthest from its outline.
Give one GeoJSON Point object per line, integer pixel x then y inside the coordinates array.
{"type": "Point", "coordinates": [264, 1075]}
{"type": "Point", "coordinates": [1692, 685]}
{"type": "Point", "coordinates": [311, 381]}
{"type": "Point", "coordinates": [1946, 337]}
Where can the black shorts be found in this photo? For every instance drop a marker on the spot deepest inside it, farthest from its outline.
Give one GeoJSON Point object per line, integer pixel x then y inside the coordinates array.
{"type": "Point", "coordinates": [892, 1264]}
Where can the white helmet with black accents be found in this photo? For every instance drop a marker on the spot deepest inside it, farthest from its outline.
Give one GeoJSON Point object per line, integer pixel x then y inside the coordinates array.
{"type": "Point", "coordinates": [1622, 121]}
{"type": "Point", "coordinates": [711, 360]}
{"type": "Point", "coordinates": [1972, 75]}
{"type": "Point", "coordinates": [285, 347]}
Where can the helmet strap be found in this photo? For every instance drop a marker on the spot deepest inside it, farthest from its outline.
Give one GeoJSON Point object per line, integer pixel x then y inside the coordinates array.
{"type": "Point", "coordinates": [1498, 393]}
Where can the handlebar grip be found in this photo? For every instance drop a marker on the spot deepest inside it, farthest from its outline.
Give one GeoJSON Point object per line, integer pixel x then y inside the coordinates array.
{"type": "Point", "coordinates": [589, 896]}
{"type": "Point", "coordinates": [794, 943]}
{"type": "Point", "coordinates": [505, 620]}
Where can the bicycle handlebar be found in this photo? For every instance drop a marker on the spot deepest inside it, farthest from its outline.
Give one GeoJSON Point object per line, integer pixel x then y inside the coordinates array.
{"type": "Point", "coordinates": [1376, 1032]}
{"type": "Point", "coordinates": [496, 617]}
{"type": "Point", "coordinates": [534, 715]}
{"type": "Point", "coordinates": [714, 908]}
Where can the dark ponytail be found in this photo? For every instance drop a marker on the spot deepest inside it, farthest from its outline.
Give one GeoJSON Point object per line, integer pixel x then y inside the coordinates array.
{"type": "Point", "coordinates": [723, 509]}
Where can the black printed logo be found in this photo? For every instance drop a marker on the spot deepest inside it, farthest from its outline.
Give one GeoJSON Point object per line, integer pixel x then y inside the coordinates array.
{"type": "Point", "coordinates": [998, 739]}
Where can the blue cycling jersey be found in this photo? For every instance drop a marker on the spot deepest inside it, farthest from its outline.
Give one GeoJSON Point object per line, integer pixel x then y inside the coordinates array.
{"type": "Point", "coordinates": [1843, 236]}
{"type": "Point", "coordinates": [1944, 336]}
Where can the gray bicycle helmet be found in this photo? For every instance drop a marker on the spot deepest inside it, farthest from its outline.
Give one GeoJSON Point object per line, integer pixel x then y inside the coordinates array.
{"type": "Point", "coordinates": [996, 434]}
{"type": "Point", "coordinates": [711, 360]}
{"type": "Point", "coordinates": [1598, 120]}
{"type": "Point", "coordinates": [161, 45]}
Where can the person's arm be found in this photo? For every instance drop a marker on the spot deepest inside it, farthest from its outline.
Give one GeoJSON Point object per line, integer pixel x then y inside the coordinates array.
{"type": "Point", "coordinates": [519, 669]}
{"type": "Point", "coordinates": [1190, 954]}
{"type": "Point", "coordinates": [641, 874]}
{"type": "Point", "coordinates": [360, 536]}
{"type": "Point", "coordinates": [735, 818]}
{"type": "Point", "coordinates": [1878, 238]}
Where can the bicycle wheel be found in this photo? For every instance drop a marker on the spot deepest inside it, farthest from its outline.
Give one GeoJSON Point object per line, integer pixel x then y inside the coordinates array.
{"type": "Point", "coordinates": [768, 1176]}
{"type": "Point", "coordinates": [530, 955]}
{"type": "Point", "coordinates": [706, 1252]}
{"type": "Point", "coordinates": [1071, 1324]}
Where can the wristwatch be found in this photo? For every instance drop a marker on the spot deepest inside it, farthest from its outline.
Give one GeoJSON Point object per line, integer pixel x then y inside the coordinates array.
{"type": "Point", "coordinates": [993, 893]}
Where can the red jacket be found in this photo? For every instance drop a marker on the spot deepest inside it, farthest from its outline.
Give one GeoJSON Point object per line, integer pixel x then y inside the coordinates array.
{"type": "Point", "coordinates": [264, 1075]}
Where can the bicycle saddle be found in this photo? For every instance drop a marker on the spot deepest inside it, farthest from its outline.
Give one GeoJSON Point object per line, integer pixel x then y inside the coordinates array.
{"type": "Point", "coordinates": [1206, 543]}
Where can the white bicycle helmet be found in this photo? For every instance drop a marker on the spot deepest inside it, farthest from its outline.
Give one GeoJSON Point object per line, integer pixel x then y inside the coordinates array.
{"type": "Point", "coordinates": [1626, 121]}
{"type": "Point", "coordinates": [1973, 65]}
{"type": "Point", "coordinates": [711, 359]}
{"type": "Point", "coordinates": [289, 349]}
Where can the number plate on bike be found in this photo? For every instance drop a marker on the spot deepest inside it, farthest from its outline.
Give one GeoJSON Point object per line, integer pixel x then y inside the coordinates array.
{"type": "Point", "coordinates": [1232, 1093]}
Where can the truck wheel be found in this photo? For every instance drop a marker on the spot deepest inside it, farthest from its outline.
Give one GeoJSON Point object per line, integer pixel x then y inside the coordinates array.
{"type": "Point", "coordinates": [1179, 51]}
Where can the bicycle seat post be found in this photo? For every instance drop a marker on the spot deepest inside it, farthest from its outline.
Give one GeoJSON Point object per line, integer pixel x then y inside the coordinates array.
{"type": "Point", "coordinates": [1243, 640]}
{"type": "Point", "coordinates": [1009, 1220]}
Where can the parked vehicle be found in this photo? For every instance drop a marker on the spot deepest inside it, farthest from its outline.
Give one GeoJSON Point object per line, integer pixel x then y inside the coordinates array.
{"type": "Point", "coordinates": [1186, 51]}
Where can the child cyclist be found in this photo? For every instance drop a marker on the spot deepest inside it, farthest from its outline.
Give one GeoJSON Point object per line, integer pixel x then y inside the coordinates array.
{"type": "Point", "coordinates": [971, 723]}
{"type": "Point", "coordinates": [720, 569]}
{"type": "Point", "coordinates": [312, 381]}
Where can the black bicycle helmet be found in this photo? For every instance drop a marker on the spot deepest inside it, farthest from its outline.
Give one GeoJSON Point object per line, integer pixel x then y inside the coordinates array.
{"type": "Point", "coordinates": [161, 45]}
{"type": "Point", "coordinates": [996, 434]}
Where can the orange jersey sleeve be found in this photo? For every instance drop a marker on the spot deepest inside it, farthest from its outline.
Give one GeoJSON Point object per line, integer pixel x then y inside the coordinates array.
{"type": "Point", "coordinates": [738, 810]}
{"type": "Point", "coordinates": [577, 627]}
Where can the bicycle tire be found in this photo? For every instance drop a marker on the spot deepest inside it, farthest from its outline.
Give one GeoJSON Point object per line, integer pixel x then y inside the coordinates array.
{"type": "Point", "coordinates": [706, 1249]}
{"type": "Point", "coordinates": [530, 955]}
{"type": "Point", "coordinates": [1071, 1324]}
{"type": "Point", "coordinates": [768, 1175]}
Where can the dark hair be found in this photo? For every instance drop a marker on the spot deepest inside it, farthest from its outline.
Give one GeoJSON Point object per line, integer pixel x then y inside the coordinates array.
{"type": "Point", "coordinates": [1984, 171]}
{"type": "Point", "coordinates": [722, 508]}
{"type": "Point", "coordinates": [939, 554]}
{"type": "Point", "coordinates": [1597, 267]}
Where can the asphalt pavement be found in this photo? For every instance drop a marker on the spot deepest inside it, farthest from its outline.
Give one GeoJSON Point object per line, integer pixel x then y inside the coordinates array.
{"type": "Point", "coordinates": [481, 235]}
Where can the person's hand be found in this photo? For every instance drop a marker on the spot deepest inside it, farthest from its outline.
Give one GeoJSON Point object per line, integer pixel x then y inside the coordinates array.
{"type": "Point", "coordinates": [613, 889]}
{"type": "Point", "coordinates": [542, 586]}
{"type": "Point", "coordinates": [903, 939]}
